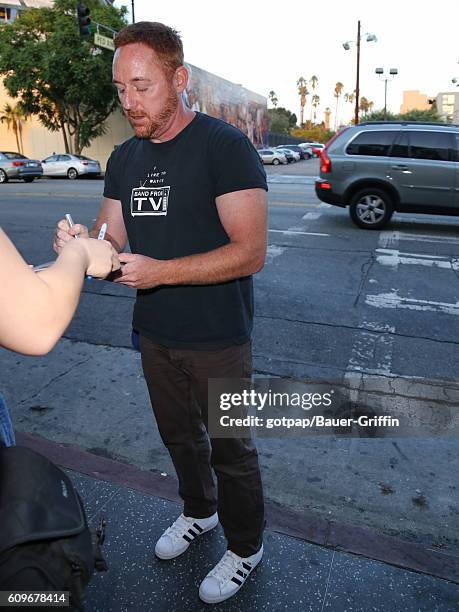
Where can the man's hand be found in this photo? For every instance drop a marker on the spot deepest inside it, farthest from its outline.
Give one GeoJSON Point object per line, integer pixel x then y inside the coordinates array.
{"type": "Point", "coordinates": [64, 233]}
{"type": "Point", "coordinates": [141, 272]}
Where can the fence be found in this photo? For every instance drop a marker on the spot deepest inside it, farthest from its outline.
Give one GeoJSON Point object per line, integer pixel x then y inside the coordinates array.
{"type": "Point", "coordinates": [275, 139]}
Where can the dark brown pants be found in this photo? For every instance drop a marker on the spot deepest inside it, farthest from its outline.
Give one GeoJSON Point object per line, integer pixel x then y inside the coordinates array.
{"type": "Point", "coordinates": [177, 383]}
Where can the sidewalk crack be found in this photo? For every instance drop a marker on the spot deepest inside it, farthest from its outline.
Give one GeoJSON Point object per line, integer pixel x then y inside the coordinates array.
{"type": "Point", "coordinates": [328, 581]}
{"type": "Point", "coordinates": [365, 271]}
{"type": "Point", "coordinates": [53, 380]}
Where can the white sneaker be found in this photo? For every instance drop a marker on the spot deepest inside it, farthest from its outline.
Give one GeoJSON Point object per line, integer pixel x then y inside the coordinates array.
{"type": "Point", "coordinates": [228, 576]}
{"type": "Point", "coordinates": [176, 539]}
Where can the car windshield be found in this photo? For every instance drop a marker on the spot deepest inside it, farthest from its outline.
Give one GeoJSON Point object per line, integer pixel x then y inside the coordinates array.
{"type": "Point", "coordinates": [9, 155]}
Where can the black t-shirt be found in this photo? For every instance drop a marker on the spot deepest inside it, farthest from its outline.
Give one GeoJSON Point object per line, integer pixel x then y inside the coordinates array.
{"type": "Point", "coordinates": [168, 192]}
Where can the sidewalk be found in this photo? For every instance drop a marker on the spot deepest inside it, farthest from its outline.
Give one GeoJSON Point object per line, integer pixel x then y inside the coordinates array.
{"type": "Point", "coordinates": [294, 575]}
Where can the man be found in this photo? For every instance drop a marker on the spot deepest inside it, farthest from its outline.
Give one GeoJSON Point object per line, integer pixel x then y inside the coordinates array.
{"type": "Point", "coordinates": [189, 192]}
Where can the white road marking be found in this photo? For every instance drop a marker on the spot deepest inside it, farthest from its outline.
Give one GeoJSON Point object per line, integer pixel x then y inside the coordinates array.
{"type": "Point", "coordinates": [389, 239]}
{"type": "Point", "coordinates": [372, 352]}
{"type": "Point", "coordinates": [312, 216]}
{"type": "Point", "coordinates": [291, 232]}
{"type": "Point", "coordinates": [393, 300]}
{"type": "Point", "coordinates": [392, 258]}
{"type": "Point", "coordinates": [273, 251]}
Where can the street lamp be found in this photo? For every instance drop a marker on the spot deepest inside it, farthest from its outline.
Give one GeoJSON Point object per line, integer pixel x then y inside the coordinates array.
{"type": "Point", "coordinates": [347, 46]}
{"type": "Point", "coordinates": [390, 77]}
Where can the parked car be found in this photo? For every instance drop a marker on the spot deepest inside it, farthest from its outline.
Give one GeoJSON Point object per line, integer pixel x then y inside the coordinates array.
{"type": "Point", "coordinates": [297, 148]}
{"type": "Point", "coordinates": [292, 156]}
{"type": "Point", "coordinates": [380, 167]}
{"type": "Point", "coordinates": [316, 148]}
{"type": "Point", "coordinates": [71, 166]}
{"type": "Point", "coordinates": [272, 156]}
{"type": "Point", "coordinates": [18, 166]}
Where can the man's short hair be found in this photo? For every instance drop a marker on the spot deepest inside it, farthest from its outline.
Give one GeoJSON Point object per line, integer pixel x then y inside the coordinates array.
{"type": "Point", "coordinates": [164, 41]}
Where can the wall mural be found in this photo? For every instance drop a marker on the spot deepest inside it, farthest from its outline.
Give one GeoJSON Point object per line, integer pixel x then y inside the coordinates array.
{"type": "Point", "coordinates": [217, 97]}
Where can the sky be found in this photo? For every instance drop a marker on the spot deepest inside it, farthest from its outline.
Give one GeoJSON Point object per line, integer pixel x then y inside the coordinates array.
{"type": "Point", "coordinates": [268, 47]}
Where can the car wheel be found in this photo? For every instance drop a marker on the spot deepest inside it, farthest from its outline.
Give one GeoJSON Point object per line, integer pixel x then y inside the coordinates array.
{"type": "Point", "coordinates": [276, 162]}
{"type": "Point", "coordinates": [29, 179]}
{"type": "Point", "coordinates": [72, 174]}
{"type": "Point", "coordinates": [371, 208]}
{"type": "Point", "coordinates": [3, 176]}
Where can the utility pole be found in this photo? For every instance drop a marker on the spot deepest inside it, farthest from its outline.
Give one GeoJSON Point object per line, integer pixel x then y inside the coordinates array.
{"type": "Point", "coordinates": [357, 84]}
{"type": "Point", "coordinates": [132, 11]}
{"type": "Point", "coordinates": [382, 76]}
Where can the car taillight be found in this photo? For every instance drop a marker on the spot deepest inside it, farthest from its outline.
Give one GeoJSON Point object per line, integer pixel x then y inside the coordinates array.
{"type": "Point", "coordinates": [325, 162]}
{"type": "Point", "coordinates": [18, 163]}
{"type": "Point", "coordinates": [84, 163]}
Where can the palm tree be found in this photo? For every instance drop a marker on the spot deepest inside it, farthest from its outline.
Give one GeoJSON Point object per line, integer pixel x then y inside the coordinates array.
{"type": "Point", "coordinates": [303, 92]}
{"type": "Point", "coordinates": [273, 98]}
{"type": "Point", "coordinates": [364, 105]}
{"type": "Point", "coordinates": [350, 98]}
{"type": "Point", "coordinates": [313, 80]}
{"type": "Point", "coordinates": [315, 104]}
{"type": "Point", "coordinates": [327, 117]}
{"type": "Point", "coordinates": [12, 116]}
{"type": "Point", "coordinates": [338, 91]}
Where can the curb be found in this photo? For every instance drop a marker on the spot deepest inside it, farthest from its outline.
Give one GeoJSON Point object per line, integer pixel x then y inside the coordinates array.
{"type": "Point", "coordinates": [305, 526]}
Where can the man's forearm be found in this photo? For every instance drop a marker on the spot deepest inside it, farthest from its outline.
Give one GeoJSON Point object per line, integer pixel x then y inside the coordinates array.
{"type": "Point", "coordinates": [216, 266]}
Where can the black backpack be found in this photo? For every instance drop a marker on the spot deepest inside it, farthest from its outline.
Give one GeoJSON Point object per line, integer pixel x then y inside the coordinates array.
{"type": "Point", "coordinates": [45, 542]}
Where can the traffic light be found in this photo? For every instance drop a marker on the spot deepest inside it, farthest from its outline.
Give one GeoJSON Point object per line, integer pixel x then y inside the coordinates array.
{"type": "Point", "coordinates": [84, 20]}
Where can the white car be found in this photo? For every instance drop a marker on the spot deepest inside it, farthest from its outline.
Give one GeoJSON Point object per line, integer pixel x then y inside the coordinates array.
{"type": "Point", "coordinates": [71, 166]}
{"type": "Point", "coordinates": [315, 147]}
{"type": "Point", "coordinates": [296, 156]}
{"type": "Point", "coordinates": [272, 156]}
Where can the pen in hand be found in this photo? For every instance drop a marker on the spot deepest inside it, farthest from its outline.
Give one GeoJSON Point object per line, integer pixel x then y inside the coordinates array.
{"type": "Point", "coordinates": [68, 216]}
{"type": "Point", "coordinates": [101, 235]}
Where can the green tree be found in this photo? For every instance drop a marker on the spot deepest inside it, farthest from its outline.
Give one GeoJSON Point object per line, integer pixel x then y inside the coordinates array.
{"type": "Point", "coordinates": [302, 92]}
{"type": "Point", "coordinates": [412, 115]}
{"type": "Point", "coordinates": [13, 116]}
{"type": "Point", "coordinates": [56, 75]}
{"type": "Point", "coordinates": [281, 120]}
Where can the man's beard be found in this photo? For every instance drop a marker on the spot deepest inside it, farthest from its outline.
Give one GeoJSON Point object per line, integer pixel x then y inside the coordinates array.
{"type": "Point", "coordinates": [157, 125]}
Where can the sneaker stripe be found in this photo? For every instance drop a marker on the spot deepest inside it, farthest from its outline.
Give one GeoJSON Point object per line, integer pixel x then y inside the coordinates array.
{"type": "Point", "coordinates": [241, 573]}
{"type": "Point", "coordinates": [198, 527]}
{"type": "Point", "coordinates": [192, 533]}
{"type": "Point", "coordinates": [246, 566]}
{"type": "Point", "coordinates": [187, 538]}
{"type": "Point", "coordinates": [238, 582]}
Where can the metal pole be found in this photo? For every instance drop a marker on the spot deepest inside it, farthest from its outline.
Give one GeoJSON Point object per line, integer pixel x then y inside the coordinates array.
{"type": "Point", "coordinates": [132, 12]}
{"type": "Point", "coordinates": [385, 99]}
{"type": "Point", "coordinates": [357, 84]}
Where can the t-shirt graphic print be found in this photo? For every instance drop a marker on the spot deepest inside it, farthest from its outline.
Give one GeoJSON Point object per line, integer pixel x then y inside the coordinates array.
{"type": "Point", "coordinates": [148, 200]}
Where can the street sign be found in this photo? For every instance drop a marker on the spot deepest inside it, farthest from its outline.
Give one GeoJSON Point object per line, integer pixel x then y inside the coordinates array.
{"type": "Point", "coordinates": [104, 41]}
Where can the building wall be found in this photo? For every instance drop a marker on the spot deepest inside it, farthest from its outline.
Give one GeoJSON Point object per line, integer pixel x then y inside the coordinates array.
{"type": "Point", "coordinates": [414, 100]}
{"type": "Point", "coordinates": [448, 106]}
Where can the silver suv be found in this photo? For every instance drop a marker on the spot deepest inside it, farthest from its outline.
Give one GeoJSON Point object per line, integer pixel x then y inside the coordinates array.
{"type": "Point", "coordinates": [380, 167]}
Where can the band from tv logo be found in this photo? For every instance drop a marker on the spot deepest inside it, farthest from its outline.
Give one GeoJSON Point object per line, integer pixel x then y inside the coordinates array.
{"type": "Point", "coordinates": [149, 201]}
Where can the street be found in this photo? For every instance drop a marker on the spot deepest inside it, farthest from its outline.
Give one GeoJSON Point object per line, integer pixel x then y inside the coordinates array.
{"type": "Point", "coordinates": [333, 302]}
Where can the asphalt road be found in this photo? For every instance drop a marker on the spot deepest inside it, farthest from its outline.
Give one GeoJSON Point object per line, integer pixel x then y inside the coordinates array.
{"type": "Point", "coordinates": [377, 309]}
